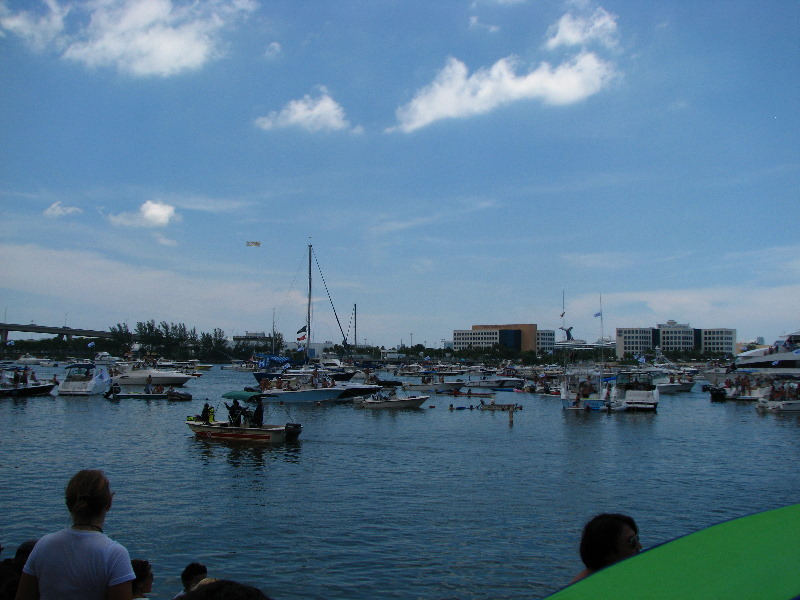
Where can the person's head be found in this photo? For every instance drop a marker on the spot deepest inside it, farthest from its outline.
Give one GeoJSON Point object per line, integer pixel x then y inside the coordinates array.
{"type": "Point", "coordinates": [225, 589]}
{"type": "Point", "coordinates": [23, 552]}
{"type": "Point", "coordinates": [193, 573]}
{"type": "Point", "coordinates": [143, 583]}
{"type": "Point", "coordinates": [88, 495]}
{"type": "Point", "coordinates": [607, 539]}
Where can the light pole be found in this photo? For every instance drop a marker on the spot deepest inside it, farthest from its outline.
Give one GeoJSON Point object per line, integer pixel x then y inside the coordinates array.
{"type": "Point", "coordinates": [412, 339]}
{"type": "Point", "coordinates": [65, 318]}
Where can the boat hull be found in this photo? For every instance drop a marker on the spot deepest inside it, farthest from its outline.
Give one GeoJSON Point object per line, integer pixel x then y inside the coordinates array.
{"type": "Point", "coordinates": [43, 389]}
{"type": "Point", "coordinates": [267, 434]}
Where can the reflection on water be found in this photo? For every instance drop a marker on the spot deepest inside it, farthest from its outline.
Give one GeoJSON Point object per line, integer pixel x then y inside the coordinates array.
{"type": "Point", "coordinates": [243, 454]}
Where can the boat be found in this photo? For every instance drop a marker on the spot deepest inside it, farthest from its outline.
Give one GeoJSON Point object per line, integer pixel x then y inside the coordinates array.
{"type": "Point", "coordinates": [32, 389]}
{"type": "Point", "coordinates": [582, 393]}
{"type": "Point", "coordinates": [388, 400]}
{"type": "Point", "coordinates": [28, 359]}
{"type": "Point", "coordinates": [137, 373]}
{"type": "Point", "coordinates": [632, 391]}
{"type": "Point", "coordinates": [767, 404]}
{"type": "Point", "coordinates": [266, 434]}
{"type": "Point", "coordinates": [497, 383]}
{"type": "Point", "coordinates": [430, 384]}
{"type": "Point", "coordinates": [782, 358]}
{"type": "Point", "coordinates": [469, 394]}
{"type": "Point", "coordinates": [502, 407]}
{"type": "Point", "coordinates": [115, 393]}
{"type": "Point", "coordinates": [83, 379]}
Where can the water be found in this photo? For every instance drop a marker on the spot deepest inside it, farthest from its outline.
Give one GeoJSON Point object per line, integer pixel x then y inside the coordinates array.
{"type": "Point", "coordinates": [431, 504]}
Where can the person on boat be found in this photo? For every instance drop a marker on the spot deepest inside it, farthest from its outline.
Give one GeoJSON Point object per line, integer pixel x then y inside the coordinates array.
{"type": "Point", "coordinates": [143, 584]}
{"type": "Point", "coordinates": [257, 419]}
{"type": "Point", "coordinates": [234, 413]}
{"type": "Point", "coordinates": [607, 539]}
{"type": "Point", "coordinates": [80, 562]}
{"type": "Point", "coordinates": [204, 414]}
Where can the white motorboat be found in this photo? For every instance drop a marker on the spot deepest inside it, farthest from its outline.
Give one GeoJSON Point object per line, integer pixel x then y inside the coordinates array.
{"type": "Point", "coordinates": [384, 400]}
{"type": "Point", "coordinates": [766, 404]}
{"type": "Point", "coordinates": [498, 383]}
{"type": "Point", "coordinates": [83, 379]}
{"type": "Point", "coordinates": [430, 384]}
{"type": "Point", "coordinates": [633, 391]}
{"type": "Point", "coordinates": [127, 373]}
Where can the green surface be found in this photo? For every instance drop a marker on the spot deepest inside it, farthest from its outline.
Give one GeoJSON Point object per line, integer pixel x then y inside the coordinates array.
{"type": "Point", "coordinates": [753, 558]}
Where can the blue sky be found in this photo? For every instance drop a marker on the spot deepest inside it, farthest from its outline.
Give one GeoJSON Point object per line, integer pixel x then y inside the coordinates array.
{"type": "Point", "coordinates": [453, 163]}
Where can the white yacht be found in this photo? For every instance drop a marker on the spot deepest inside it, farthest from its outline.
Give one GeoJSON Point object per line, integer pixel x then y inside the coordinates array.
{"type": "Point", "coordinates": [782, 358]}
{"type": "Point", "coordinates": [83, 379]}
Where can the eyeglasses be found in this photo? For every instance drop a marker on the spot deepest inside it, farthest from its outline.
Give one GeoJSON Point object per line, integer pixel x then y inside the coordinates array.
{"type": "Point", "coordinates": [633, 541]}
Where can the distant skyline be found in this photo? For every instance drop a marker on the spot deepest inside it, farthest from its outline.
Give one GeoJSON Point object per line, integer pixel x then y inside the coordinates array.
{"type": "Point", "coordinates": [452, 163]}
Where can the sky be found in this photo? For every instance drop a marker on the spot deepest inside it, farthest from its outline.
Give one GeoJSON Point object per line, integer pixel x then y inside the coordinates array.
{"type": "Point", "coordinates": [452, 163]}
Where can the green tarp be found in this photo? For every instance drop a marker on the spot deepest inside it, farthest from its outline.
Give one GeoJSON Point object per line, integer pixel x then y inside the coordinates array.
{"type": "Point", "coordinates": [754, 558]}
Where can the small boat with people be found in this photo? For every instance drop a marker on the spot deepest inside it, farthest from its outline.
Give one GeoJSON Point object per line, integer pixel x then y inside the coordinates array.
{"type": "Point", "coordinates": [83, 379]}
{"type": "Point", "coordinates": [32, 388]}
{"type": "Point", "coordinates": [243, 424]}
{"type": "Point", "coordinates": [264, 434]}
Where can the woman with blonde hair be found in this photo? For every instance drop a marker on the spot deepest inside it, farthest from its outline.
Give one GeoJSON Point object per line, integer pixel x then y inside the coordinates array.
{"type": "Point", "coordinates": [80, 562]}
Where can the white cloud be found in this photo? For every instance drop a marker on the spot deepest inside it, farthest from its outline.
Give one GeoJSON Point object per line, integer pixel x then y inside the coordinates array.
{"type": "Point", "coordinates": [38, 30]}
{"type": "Point", "coordinates": [274, 50]}
{"type": "Point", "coordinates": [55, 210]}
{"type": "Point", "coordinates": [571, 30]}
{"type": "Point", "coordinates": [475, 23]}
{"type": "Point", "coordinates": [139, 37]}
{"type": "Point", "coordinates": [151, 214]}
{"type": "Point", "coordinates": [456, 94]}
{"type": "Point", "coordinates": [322, 113]}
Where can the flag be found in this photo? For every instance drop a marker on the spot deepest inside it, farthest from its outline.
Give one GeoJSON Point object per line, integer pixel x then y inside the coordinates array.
{"type": "Point", "coordinates": [775, 363]}
{"type": "Point", "coordinates": [10, 343]}
{"type": "Point", "coordinates": [302, 329]}
{"type": "Point", "coordinates": [90, 344]}
{"type": "Point", "coordinates": [253, 243]}
{"type": "Point", "coordinates": [598, 314]}
{"type": "Point", "coordinates": [301, 338]}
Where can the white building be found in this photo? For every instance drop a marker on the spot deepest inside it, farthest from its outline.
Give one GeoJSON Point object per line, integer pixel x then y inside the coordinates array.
{"type": "Point", "coordinates": [673, 336]}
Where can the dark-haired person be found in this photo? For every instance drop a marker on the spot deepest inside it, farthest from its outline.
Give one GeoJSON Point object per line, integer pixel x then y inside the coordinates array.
{"type": "Point", "coordinates": [79, 562]}
{"type": "Point", "coordinates": [607, 538]}
{"type": "Point", "coordinates": [190, 576]}
{"type": "Point", "coordinates": [143, 584]}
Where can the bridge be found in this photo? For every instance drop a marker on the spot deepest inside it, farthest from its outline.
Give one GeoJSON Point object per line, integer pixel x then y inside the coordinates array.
{"type": "Point", "coordinates": [65, 332]}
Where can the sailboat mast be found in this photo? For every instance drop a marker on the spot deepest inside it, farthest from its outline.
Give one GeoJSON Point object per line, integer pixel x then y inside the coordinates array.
{"type": "Point", "coordinates": [355, 324]}
{"type": "Point", "coordinates": [308, 309]}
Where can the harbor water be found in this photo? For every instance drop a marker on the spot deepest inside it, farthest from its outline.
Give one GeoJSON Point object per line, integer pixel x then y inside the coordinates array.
{"type": "Point", "coordinates": [427, 504]}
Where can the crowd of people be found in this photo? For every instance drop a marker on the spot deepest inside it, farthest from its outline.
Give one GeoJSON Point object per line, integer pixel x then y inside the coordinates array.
{"type": "Point", "coordinates": [81, 562]}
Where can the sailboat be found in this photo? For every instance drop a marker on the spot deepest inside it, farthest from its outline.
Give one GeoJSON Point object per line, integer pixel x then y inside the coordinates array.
{"type": "Point", "coordinates": [581, 390]}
